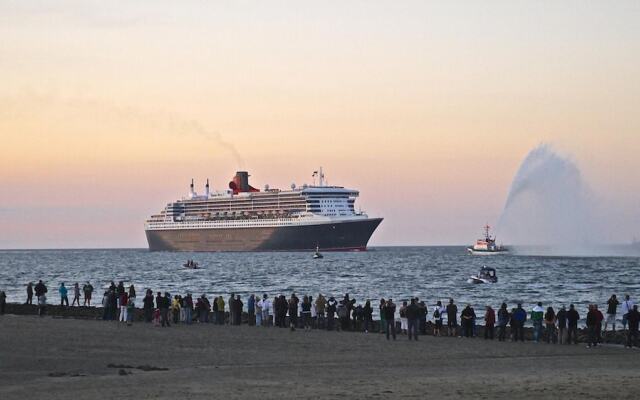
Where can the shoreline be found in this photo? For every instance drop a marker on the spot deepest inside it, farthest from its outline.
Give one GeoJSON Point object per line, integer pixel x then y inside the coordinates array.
{"type": "Point", "coordinates": [618, 337]}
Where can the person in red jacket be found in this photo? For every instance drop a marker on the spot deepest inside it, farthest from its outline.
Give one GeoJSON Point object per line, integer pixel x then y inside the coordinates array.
{"type": "Point", "coordinates": [124, 300]}
{"type": "Point", "coordinates": [599, 319]}
{"type": "Point", "coordinates": [489, 322]}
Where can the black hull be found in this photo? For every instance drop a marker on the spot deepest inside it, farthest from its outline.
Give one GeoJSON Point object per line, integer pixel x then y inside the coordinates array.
{"type": "Point", "coordinates": [338, 236]}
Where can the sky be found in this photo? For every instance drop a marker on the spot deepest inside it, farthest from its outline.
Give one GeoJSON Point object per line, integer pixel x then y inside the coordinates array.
{"type": "Point", "coordinates": [108, 109]}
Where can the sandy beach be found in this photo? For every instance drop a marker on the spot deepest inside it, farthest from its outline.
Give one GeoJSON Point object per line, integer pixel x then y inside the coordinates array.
{"type": "Point", "coordinates": [59, 358]}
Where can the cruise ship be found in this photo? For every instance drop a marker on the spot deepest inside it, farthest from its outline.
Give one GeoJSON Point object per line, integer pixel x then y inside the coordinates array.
{"type": "Point", "coordinates": [243, 218]}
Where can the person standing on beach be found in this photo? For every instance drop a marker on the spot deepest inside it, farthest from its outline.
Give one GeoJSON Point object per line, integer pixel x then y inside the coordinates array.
{"type": "Point", "coordinates": [389, 311]}
{"type": "Point", "coordinates": [164, 303]}
{"type": "Point", "coordinates": [87, 290]}
{"type": "Point", "coordinates": [572, 321]}
{"type": "Point", "coordinates": [452, 318]}
{"type": "Point", "coordinates": [412, 313]}
{"type": "Point", "coordinates": [29, 293]}
{"type": "Point", "coordinates": [367, 312]}
{"type": "Point", "coordinates": [550, 324]}
{"type": "Point", "coordinates": [332, 308]}
{"type": "Point", "coordinates": [40, 289]}
{"type": "Point", "coordinates": [306, 313]}
{"type": "Point", "coordinates": [123, 301]}
{"type": "Point", "coordinates": [76, 294]}
{"type": "Point", "coordinates": [237, 312]}
{"type": "Point", "coordinates": [599, 319]}
{"type": "Point", "coordinates": [266, 310]}
{"type": "Point", "coordinates": [251, 310]}
{"type": "Point", "coordinates": [612, 310]}
{"type": "Point", "coordinates": [592, 326]}
{"type": "Point", "coordinates": [466, 318]}
{"type": "Point", "coordinates": [188, 308]}
{"type": "Point", "coordinates": [147, 305]}
{"type": "Point", "coordinates": [113, 305]}
{"type": "Point", "coordinates": [214, 310]}
{"type": "Point", "coordinates": [258, 310]}
{"type": "Point", "coordinates": [3, 301]}
{"type": "Point", "coordinates": [403, 318]}
{"type": "Point", "coordinates": [473, 323]}
{"type": "Point", "coordinates": [437, 319]}
{"type": "Point", "coordinates": [343, 316]}
{"type": "Point", "coordinates": [503, 320]}
{"type": "Point", "coordinates": [422, 315]}
{"type": "Point", "coordinates": [633, 318]}
{"type": "Point", "coordinates": [175, 309]}
{"type": "Point", "coordinates": [221, 315]}
{"type": "Point", "coordinates": [489, 322]}
{"type": "Point", "coordinates": [537, 315]}
{"type": "Point", "coordinates": [293, 312]}
{"type": "Point", "coordinates": [627, 305]}
{"type": "Point", "coordinates": [278, 308]}
{"type": "Point", "coordinates": [158, 300]}
{"type": "Point", "coordinates": [119, 290]}
{"type": "Point", "coordinates": [105, 306]}
{"type": "Point", "coordinates": [321, 304]}
{"type": "Point", "coordinates": [314, 313]}
{"type": "Point", "coordinates": [381, 306]}
{"type": "Point", "coordinates": [519, 317]}
{"type": "Point", "coordinates": [232, 306]}
{"type": "Point", "coordinates": [561, 320]}
{"type": "Point", "coordinates": [131, 310]}
{"type": "Point", "coordinates": [182, 304]}
{"type": "Point", "coordinates": [64, 300]}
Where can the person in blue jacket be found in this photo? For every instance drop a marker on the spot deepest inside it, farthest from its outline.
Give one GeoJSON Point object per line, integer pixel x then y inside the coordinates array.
{"type": "Point", "coordinates": [64, 300]}
{"type": "Point", "coordinates": [519, 318]}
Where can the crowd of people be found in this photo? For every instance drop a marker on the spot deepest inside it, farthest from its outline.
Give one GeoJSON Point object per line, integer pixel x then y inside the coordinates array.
{"type": "Point", "coordinates": [415, 317]}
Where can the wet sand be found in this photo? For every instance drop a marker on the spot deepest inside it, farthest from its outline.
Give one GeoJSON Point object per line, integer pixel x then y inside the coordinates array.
{"type": "Point", "coordinates": [57, 358]}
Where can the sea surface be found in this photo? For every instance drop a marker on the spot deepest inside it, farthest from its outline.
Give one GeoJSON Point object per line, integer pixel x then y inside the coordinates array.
{"type": "Point", "coordinates": [430, 273]}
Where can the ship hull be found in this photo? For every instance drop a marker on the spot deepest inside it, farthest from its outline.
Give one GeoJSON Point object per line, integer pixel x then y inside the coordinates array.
{"type": "Point", "coordinates": [475, 252]}
{"type": "Point", "coordinates": [338, 236]}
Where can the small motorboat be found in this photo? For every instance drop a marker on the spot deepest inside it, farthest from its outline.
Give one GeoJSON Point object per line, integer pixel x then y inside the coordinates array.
{"type": "Point", "coordinates": [486, 275]}
{"type": "Point", "coordinates": [317, 254]}
{"type": "Point", "coordinates": [190, 265]}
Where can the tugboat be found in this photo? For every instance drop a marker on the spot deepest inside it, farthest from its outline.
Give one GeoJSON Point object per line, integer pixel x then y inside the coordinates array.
{"type": "Point", "coordinates": [487, 246]}
{"type": "Point", "coordinates": [317, 254]}
{"type": "Point", "coordinates": [486, 275]}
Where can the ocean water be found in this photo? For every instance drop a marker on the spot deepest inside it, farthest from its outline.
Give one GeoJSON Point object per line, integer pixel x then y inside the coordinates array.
{"type": "Point", "coordinates": [430, 273]}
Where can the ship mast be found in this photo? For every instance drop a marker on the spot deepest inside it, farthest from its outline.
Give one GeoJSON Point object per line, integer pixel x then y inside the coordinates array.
{"type": "Point", "coordinates": [320, 176]}
{"type": "Point", "coordinates": [486, 232]}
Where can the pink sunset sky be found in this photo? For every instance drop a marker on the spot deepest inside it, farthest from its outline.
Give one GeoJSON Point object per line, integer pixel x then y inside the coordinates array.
{"type": "Point", "coordinates": [108, 109]}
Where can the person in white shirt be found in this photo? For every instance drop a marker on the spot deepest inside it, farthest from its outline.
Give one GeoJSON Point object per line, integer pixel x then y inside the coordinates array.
{"type": "Point", "coordinates": [627, 305]}
{"type": "Point", "coordinates": [265, 303]}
